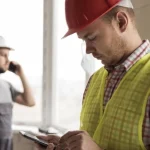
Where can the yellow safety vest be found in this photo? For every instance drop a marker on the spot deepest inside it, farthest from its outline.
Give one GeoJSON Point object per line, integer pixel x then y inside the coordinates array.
{"type": "Point", "coordinates": [119, 127]}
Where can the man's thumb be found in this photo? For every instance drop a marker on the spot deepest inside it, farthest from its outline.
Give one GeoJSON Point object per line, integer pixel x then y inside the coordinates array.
{"type": "Point", "coordinates": [50, 146]}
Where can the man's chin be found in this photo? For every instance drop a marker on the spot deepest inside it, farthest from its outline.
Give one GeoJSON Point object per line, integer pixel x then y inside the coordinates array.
{"type": "Point", "coordinates": [104, 62]}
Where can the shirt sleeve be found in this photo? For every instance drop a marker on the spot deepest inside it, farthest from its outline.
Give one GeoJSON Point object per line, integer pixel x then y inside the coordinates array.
{"type": "Point", "coordinates": [14, 92]}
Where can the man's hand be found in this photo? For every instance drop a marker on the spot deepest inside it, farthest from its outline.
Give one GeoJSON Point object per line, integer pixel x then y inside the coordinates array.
{"type": "Point", "coordinates": [78, 140]}
{"type": "Point", "coordinates": [26, 97]}
{"type": "Point", "coordinates": [51, 139]}
{"type": "Point", "coordinates": [18, 68]}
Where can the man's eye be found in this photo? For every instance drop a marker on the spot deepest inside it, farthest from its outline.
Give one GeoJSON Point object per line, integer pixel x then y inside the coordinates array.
{"type": "Point", "coordinates": [91, 38]}
{"type": "Point", "coordinates": [3, 55]}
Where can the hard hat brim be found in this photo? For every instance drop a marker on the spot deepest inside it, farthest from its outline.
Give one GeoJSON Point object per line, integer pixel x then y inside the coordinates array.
{"type": "Point", "coordinates": [7, 47]}
{"type": "Point", "coordinates": [72, 31]}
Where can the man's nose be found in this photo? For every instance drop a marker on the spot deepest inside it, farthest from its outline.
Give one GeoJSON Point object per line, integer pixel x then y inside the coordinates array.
{"type": "Point", "coordinates": [89, 48]}
{"type": "Point", "coordinates": [7, 59]}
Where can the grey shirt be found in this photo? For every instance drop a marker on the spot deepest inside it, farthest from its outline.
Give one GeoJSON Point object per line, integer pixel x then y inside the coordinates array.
{"type": "Point", "coordinates": [7, 96]}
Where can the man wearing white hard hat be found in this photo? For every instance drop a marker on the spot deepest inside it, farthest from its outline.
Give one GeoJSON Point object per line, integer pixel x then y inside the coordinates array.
{"type": "Point", "coordinates": [8, 95]}
{"type": "Point", "coordinates": [116, 103]}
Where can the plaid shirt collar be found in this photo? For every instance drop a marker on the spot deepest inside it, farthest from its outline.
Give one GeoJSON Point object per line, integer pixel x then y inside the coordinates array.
{"type": "Point", "coordinates": [141, 51]}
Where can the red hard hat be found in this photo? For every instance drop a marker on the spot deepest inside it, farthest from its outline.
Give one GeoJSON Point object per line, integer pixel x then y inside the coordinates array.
{"type": "Point", "coordinates": [80, 13]}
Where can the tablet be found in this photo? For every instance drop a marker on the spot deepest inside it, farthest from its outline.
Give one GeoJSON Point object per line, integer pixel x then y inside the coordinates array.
{"type": "Point", "coordinates": [33, 138]}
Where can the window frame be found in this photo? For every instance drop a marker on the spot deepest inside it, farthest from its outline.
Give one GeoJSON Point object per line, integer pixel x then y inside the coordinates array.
{"type": "Point", "coordinates": [50, 113]}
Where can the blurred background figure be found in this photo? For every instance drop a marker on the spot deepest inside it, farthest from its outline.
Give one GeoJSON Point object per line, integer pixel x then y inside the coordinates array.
{"type": "Point", "coordinates": [8, 95]}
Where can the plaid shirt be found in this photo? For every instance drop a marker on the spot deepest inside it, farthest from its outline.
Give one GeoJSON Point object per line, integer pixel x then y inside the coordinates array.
{"type": "Point", "coordinates": [114, 78]}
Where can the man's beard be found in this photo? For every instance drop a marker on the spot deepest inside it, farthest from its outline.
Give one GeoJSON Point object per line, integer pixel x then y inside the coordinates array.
{"type": "Point", "coordinates": [2, 70]}
{"type": "Point", "coordinates": [117, 45]}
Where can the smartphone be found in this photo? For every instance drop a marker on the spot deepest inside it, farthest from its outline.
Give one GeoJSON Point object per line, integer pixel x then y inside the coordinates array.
{"type": "Point", "coordinates": [33, 138]}
{"type": "Point", "coordinates": [12, 67]}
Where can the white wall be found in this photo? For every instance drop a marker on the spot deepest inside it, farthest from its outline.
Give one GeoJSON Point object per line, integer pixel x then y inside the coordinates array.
{"type": "Point", "coordinates": [142, 10]}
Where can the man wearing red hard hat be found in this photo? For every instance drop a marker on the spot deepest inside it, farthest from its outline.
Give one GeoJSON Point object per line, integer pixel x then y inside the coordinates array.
{"type": "Point", "coordinates": [116, 103]}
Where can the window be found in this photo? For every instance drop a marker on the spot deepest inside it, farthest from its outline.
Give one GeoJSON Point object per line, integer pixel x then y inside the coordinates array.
{"type": "Point", "coordinates": [71, 77]}
{"type": "Point", "coordinates": [71, 82]}
{"type": "Point", "coordinates": [22, 26]}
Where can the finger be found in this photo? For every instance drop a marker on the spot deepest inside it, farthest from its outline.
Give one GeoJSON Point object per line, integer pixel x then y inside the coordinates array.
{"type": "Point", "coordinates": [38, 146]}
{"type": "Point", "coordinates": [50, 146]}
{"type": "Point", "coordinates": [75, 144]}
{"type": "Point", "coordinates": [68, 135]}
{"type": "Point", "coordinates": [54, 139]}
{"type": "Point", "coordinates": [50, 138]}
{"type": "Point", "coordinates": [63, 146]}
{"type": "Point", "coordinates": [76, 148]}
{"type": "Point", "coordinates": [43, 137]}
{"type": "Point", "coordinates": [57, 147]}
{"type": "Point", "coordinates": [74, 138]}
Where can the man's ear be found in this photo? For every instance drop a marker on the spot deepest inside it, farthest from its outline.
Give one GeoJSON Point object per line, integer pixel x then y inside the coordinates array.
{"type": "Point", "coordinates": [122, 21]}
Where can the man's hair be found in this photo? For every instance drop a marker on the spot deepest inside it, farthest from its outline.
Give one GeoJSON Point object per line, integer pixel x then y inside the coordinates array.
{"type": "Point", "coordinates": [112, 13]}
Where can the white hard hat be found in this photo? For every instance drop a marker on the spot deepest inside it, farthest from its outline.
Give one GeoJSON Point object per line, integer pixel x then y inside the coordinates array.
{"type": "Point", "coordinates": [4, 44]}
{"type": "Point", "coordinates": [125, 3]}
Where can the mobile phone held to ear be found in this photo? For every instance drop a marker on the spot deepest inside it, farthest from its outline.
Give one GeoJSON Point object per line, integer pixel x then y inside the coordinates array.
{"type": "Point", "coordinates": [12, 67]}
{"type": "Point", "coordinates": [33, 138]}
